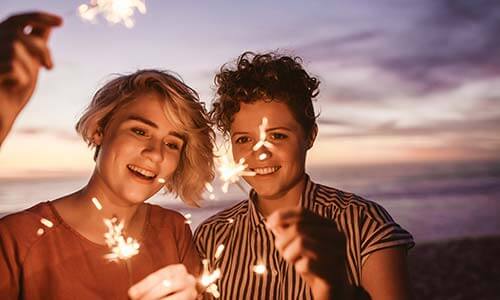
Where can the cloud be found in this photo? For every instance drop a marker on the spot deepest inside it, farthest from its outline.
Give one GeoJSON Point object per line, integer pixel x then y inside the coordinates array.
{"type": "Point", "coordinates": [464, 128]}
{"type": "Point", "coordinates": [58, 133]}
{"type": "Point", "coordinates": [441, 46]}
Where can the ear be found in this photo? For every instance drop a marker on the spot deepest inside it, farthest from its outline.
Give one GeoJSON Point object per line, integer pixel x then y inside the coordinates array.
{"type": "Point", "coordinates": [312, 136]}
{"type": "Point", "coordinates": [97, 136]}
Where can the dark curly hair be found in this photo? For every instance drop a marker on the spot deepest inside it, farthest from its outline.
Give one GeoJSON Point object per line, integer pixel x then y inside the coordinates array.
{"type": "Point", "coordinates": [269, 77]}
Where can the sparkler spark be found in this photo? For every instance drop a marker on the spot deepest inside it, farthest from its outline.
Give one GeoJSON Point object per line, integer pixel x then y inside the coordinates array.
{"type": "Point", "coordinates": [230, 172]}
{"type": "Point", "coordinates": [219, 250]}
{"type": "Point", "coordinates": [262, 136]}
{"type": "Point", "coordinates": [121, 247]}
{"type": "Point", "coordinates": [262, 156]}
{"type": "Point", "coordinates": [114, 11]}
{"type": "Point", "coordinates": [46, 222]}
{"type": "Point", "coordinates": [161, 180]}
{"type": "Point", "coordinates": [208, 278]}
{"type": "Point", "coordinates": [97, 203]}
{"type": "Point", "coordinates": [259, 269]}
{"type": "Point", "coordinates": [188, 218]}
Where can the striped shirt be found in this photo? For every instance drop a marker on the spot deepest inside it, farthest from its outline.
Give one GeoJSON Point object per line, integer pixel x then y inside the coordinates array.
{"type": "Point", "coordinates": [366, 225]}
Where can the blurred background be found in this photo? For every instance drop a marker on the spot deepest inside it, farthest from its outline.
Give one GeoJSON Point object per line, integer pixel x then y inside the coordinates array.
{"type": "Point", "coordinates": [409, 110]}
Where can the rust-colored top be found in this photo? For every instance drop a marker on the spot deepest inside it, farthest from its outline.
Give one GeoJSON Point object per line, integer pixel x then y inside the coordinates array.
{"type": "Point", "coordinates": [40, 262]}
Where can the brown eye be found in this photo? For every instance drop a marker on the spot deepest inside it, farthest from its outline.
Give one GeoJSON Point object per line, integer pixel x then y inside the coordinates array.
{"type": "Point", "coordinates": [242, 140]}
{"type": "Point", "coordinates": [172, 146]}
{"type": "Point", "coordinates": [278, 136]}
{"type": "Point", "coordinates": [139, 131]}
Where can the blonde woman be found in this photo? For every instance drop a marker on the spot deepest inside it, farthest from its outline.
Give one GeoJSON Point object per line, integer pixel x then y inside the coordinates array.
{"type": "Point", "coordinates": [149, 131]}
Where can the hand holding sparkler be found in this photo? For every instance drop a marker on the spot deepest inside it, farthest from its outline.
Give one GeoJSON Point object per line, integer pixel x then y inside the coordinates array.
{"type": "Point", "coordinates": [300, 239]}
{"type": "Point", "coordinates": [170, 282]}
{"type": "Point", "coordinates": [24, 50]}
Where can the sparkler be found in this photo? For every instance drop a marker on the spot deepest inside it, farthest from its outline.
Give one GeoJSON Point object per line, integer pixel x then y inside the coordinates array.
{"type": "Point", "coordinates": [208, 279]}
{"type": "Point", "coordinates": [114, 11]}
{"type": "Point", "coordinates": [121, 247]}
{"type": "Point", "coordinates": [230, 172]}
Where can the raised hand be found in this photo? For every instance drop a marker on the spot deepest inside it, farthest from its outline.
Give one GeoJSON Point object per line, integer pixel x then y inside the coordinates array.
{"type": "Point", "coordinates": [23, 50]}
{"type": "Point", "coordinates": [171, 282]}
{"type": "Point", "coordinates": [314, 246]}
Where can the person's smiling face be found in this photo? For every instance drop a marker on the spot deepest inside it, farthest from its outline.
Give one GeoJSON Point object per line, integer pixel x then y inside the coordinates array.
{"type": "Point", "coordinates": [137, 148]}
{"type": "Point", "coordinates": [283, 167]}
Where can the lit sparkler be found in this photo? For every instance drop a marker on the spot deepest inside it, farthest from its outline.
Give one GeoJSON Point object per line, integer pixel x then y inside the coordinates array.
{"type": "Point", "coordinates": [208, 279]}
{"type": "Point", "coordinates": [230, 172]}
{"type": "Point", "coordinates": [121, 247]}
{"type": "Point", "coordinates": [114, 11]}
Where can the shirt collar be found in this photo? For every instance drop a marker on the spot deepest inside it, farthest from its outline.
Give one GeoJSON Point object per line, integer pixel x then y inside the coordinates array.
{"type": "Point", "coordinates": [306, 201]}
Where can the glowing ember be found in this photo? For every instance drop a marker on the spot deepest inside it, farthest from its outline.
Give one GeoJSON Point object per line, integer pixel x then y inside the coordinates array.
{"type": "Point", "coordinates": [262, 156]}
{"type": "Point", "coordinates": [161, 180]}
{"type": "Point", "coordinates": [262, 136]}
{"type": "Point", "coordinates": [230, 220]}
{"type": "Point", "coordinates": [208, 278]}
{"type": "Point", "coordinates": [219, 250]}
{"type": "Point", "coordinates": [121, 247]}
{"type": "Point", "coordinates": [40, 231]}
{"type": "Point", "coordinates": [188, 218]}
{"type": "Point", "coordinates": [209, 187]}
{"type": "Point", "coordinates": [259, 268]}
{"type": "Point", "coordinates": [114, 11]}
{"type": "Point", "coordinates": [230, 172]}
{"type": "Point", "coordinates": [46, 222]}
{"type": "Point", "coordinates": [97, 203]}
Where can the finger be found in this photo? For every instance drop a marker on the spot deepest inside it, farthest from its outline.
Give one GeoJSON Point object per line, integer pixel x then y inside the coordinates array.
{"type": "Point", "coordinates": [298, 248]}
{"type": "Point", "coordinates": [32, 18]}
{"type": "Point", "coordinates": [188, 294]}
{"type": "Point", "coordinates": [178, 284]}
{"type": "Point", "coordinates": [281, 216]}
{"type": "Point", "coordinates": [285, 236]}
{"type": "Point", "coordinates": [37, 47]}
{"type": "Point", "coordinates": [154, 279]}
{"type": "Point", "coordinates": [162, 289]}
{"type": "Point", "coordinates": [23, 68]}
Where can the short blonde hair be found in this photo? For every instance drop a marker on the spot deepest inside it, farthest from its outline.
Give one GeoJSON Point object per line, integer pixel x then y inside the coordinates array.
{"type": "Point", "coordinates": [182, 108]}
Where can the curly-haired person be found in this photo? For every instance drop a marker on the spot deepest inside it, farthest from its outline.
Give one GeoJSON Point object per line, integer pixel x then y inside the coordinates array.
{"type": "Point", "coordinates": [305, 239]}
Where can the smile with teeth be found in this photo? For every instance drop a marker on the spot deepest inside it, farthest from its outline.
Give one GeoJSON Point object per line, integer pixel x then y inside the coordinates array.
{"type": "Point", "coordinates": [266, 170]}
{"type": "Point", "coordinates": [140, 171]}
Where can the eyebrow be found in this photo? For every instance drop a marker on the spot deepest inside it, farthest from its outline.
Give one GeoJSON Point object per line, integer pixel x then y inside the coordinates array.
{"type": "Point", "coordinates": [268, 129]}
{"type": "Point", "coordinates": [154, 125]}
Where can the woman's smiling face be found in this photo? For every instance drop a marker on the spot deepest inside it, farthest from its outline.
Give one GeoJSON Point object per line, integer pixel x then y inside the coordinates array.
{"type": "Point", "coordinates": [138, 148]}
{"type": "Point", "coordinates": [280, 167]}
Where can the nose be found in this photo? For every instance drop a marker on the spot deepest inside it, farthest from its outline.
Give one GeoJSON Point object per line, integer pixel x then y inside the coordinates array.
{"type": "Point", "coordinates": [153, 151]}
{"type": "Point", "coordinates": [263, 153]}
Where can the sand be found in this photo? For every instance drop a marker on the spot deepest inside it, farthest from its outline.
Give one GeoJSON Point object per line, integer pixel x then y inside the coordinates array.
{"type": "Point", "coordinates": [458, 269]}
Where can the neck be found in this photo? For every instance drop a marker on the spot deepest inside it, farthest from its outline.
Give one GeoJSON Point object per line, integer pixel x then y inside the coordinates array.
{"type": "Point", "coordinates": [112, 204]}
{"type": "Point", "coordinates": [289, 199]}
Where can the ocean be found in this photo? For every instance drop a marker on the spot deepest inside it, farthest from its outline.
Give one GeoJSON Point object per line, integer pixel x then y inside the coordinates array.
{"type": "Point", "coordinates": [434, 201]}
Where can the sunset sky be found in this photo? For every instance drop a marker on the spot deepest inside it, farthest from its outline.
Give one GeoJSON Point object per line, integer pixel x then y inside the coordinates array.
{"type": "Point", "coordinates": [401, 81]}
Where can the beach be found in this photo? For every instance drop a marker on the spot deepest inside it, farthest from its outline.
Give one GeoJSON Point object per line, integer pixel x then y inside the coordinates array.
{"type": "Point", "coordinates": [460, 269]}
